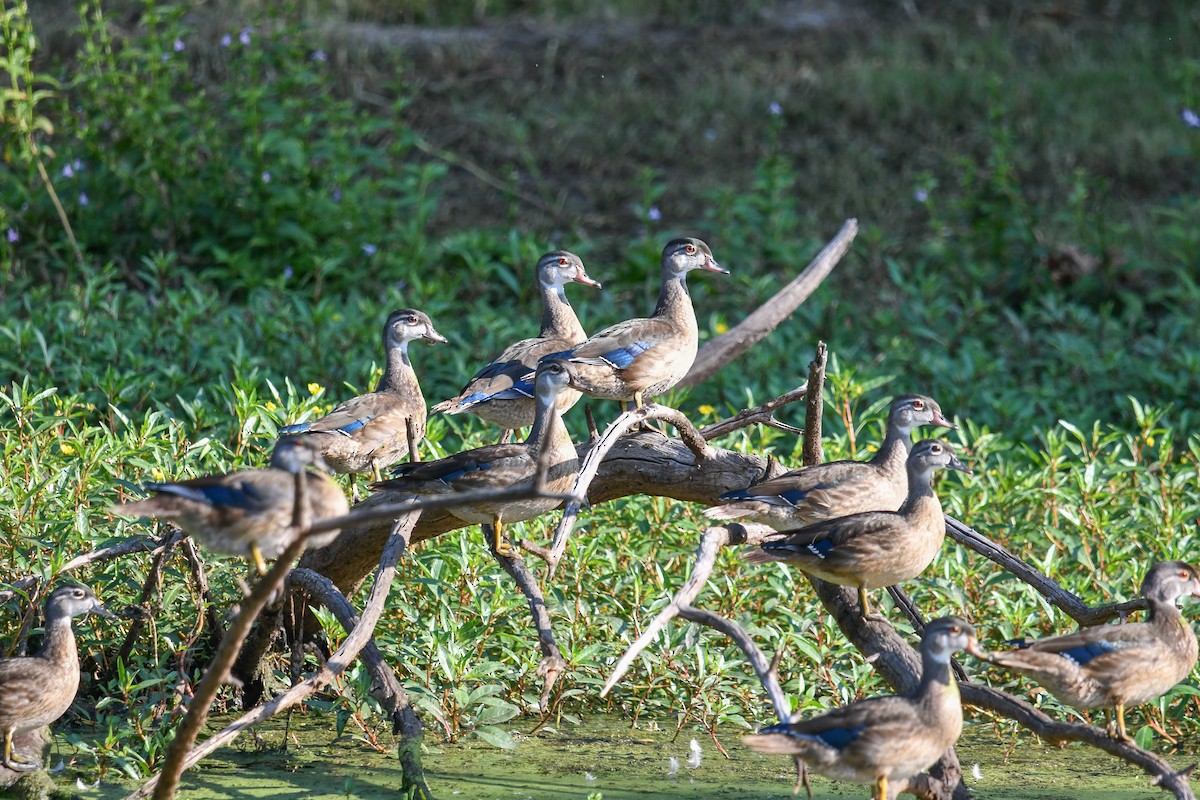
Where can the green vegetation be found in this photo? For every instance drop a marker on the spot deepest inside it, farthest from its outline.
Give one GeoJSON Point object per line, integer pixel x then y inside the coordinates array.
{"type": "Point", "coordinates": [205, 220]}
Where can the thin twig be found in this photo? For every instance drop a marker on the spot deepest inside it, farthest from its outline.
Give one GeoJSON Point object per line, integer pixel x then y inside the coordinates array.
{"type": "Point", "coordinates": [759, 415]}
{"type": "Point", "coordinates": [591, 465]}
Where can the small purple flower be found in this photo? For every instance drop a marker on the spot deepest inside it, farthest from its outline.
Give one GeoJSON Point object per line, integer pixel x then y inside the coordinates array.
{"type": "Point", "coordinates": [337, 195]}
{"type": "Point", "coordinates": [287, 272]}
{"type": "Point", "coordinates": [13, 236]}
{"type": "Point", "coordinates": [83, 199]}
{"type": "Point", "coordinates": [165, 57]}
{"type": "Point", "coordinates": [654, 215]}
{"type": "Point", "coordinates": [266, 177]}
{"type": "Point", "coordinates": [775, 109]}
{"type": "Point", "coordinates": [369, 250]}
{"type": "Point", "coordinates": [178, 45]}
{"type": "Point", "coordinates": [710, 134]}
{"type": "Point", "coordinates": [1190, 118]}
{"type": "Point", "coordinates": [921, 195]}
{"type": "Point", "coordinates": [77, 164]}
{"type": "Point", "coordinates": [68, 171]}
{"type": "Point", "coordinates": [226, 40]}
{"type": "Point", "coordinates": [319, 55]}
{"type": "Point", "coordinates": [244, 36]}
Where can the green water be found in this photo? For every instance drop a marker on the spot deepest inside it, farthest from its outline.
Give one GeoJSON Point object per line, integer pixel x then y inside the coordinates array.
{"type": "Point", "coordinates": [606, 756]}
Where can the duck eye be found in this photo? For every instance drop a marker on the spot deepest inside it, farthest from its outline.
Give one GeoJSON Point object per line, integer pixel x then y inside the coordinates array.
{"type": "Point", "coordinates": [1183, 573]}
{"type": "Point", "coordinates": [562, 262]}
{"type": "Point", "coordinates": [690, 249]}
{"type": "Point", "coordinates": [918, 404]}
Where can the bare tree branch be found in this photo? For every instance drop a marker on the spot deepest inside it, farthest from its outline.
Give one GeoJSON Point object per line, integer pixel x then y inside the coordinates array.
{"type": "Point", "coordinates": [759, 415]}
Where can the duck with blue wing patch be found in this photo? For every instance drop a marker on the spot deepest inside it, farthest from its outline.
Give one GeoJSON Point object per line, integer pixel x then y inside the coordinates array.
{"type": "Point", "coordinates": [502, 392]}
{"type": "Point", "coordinates": [377, 429]}
{"type": "Point", "coordinates": [838, 488]}
{"type": "Point", "coordinates": [884, 738]}
{"type": "Point", "coordinates": [248, 512]}
{"type": "Point", "coordinates": [1114, 666]}
{"type": "Point", "coordinates": [875, 548]}
{"type": "Point", "coordinates": [639, 359]}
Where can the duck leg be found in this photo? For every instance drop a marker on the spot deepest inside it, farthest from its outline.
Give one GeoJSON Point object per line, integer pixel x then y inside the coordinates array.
{"type": "Point", "coordinates": [864, 604]}
{"type": "Point", "coordinates": [502, 547]}
{"type": "Point", "coordinates": [259, 562]}
{"type": "Point", "coordinates": [881, 790]}
{"type": "Point", "coordinates": [11, 759]}
{"type": "Point", "coordinates": [1120, 720]}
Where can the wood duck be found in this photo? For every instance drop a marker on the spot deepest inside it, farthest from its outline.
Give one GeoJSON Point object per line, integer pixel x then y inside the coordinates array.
{"type": "Point", "coordinates": [839, 488]}
{"type": "Point", "coordinates": [377, 429]}
{"type": "Point", "coordinates": [249, 512]}
{"type": "Point", "coordinates": [884, 738]}
{"type": "Point", "coordinates": [642, 358]}
{"type": "Point", "coordinates": [501, 466]}
{"type": "Point", "coordinates": [1114, 666]}
{"type": "Point", "coordinates": [498, 394]}
{"type": "Point", "coordinates": [36, 690]}
{"type": "Point", "coordinates": [875, 548]}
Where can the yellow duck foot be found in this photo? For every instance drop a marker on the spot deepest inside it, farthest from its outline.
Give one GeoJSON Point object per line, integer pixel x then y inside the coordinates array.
{"type": "Point", "coordinates": [15, 761]}
{"type": "Point", "coordinates": [1116, 725]}
{"type": "Point", "coordinates": [500, 545]}
{"type": "Point", "coordinates": [881, 788]}
{"type": "Point", "coordinates": [869, 614]}
{"type": "Point", "coordinates": [259, 562]}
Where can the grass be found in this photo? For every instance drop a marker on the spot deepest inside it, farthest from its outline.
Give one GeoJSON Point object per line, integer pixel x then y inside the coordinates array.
{"type": "Point", "coordinates": [212, 306]}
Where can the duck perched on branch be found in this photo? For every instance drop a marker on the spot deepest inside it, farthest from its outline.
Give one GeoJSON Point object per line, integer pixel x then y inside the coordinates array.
{"type": "Point", "coordinates": [497, 393]}
{"type": "Point", "coordinates": [377, 429]}
{"type": "Point", "coordinates": [502, 466]}
{"type": "Point", "coordinates": [1114, 666]}
{"type": "Point", "coordinates": [884, 738]}
{"type": "Point", "coordinates": [839, 488]}
{"type": "Point", "coordinates": [638, 359]}
{"type": "Point", "coordinates": [876, 548]}
{"type": "Point", "coordinates": [249, 512]}
{"type": "Point", "coordinates": [36, 690]}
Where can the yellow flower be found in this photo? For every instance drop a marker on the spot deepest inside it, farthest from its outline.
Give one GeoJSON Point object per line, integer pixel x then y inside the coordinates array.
{"type": "Point", "coordinates": [315, 388]}
{"type": "Point", "coordinates": [707, 409]}
{"type": "Point", "coordinates": [66, 449]}
{"type": "Point", "coordinates": [270, 406]}
{"type": "Point", "coordinates": [158, 474]}
{"type": "Point", "coordinates": [722, 327]}
{"type": "Point", "coordinates": [1150, 441]}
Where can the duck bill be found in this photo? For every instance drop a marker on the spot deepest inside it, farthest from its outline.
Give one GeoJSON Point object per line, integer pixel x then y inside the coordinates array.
{"type": "Point", "coordinates": [711, 265]}
{"type": "Point", "coordinates": [942, 422]}
{"type": "Point", "coordinates": [958, 465]}
{"type": "Point", "coordinates": [581, 277]}
{"type": "Point", "coordinates": [973, 647]}
{"type": "Point", "coordinates": [433, 336]}
{"type": "Point", "coordinates": [99, 609]}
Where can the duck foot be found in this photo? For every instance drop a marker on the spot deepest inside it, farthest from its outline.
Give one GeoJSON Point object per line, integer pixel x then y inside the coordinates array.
{"type": "Point", "coordinates": [19, 763]}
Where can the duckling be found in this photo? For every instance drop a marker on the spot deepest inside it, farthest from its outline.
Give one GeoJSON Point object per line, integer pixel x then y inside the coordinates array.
{"type": "Point", "coordinates": [249, 512]}
{"type": "Point", "coordinates": [875, 548]}
{"type": "Point", "coordinates": [497, 393]}
{"type": "Point", "coordinates": [642, 358]}
{"type": "Point", "coordinates": [377, 429]}
{"type": "Point", "coordinates": [839, 488]}
{"type": "Point", "coordinates": [36, 690]}
{"type": "Point", "coordinates": [1114, 666]}
{"type": "Point", "coordinates": [500, 466]}
{"type": "Point", "coordinates": [884, 738]}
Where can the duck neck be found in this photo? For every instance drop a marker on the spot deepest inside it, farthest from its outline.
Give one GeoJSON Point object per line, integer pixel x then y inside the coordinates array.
{"type": "Point", "coordinates": [920, 492]}
{"type": "Point", "coordinates": [935, 673]}
{"type": "Point", "coordinates": [399, 375]}
{"type": "Point", "coordinates": [674, 302]}
{"type": "Point", "coordinates": [893, 453]}
{"type": "Point", "coordinates": [59, 645]}
{"type": "Point", "coordinates": [1165, 614]}
{"type": "Point", "coordinates": [558, 318]}
{"type": "Point", "coordinates": [547, 422]}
